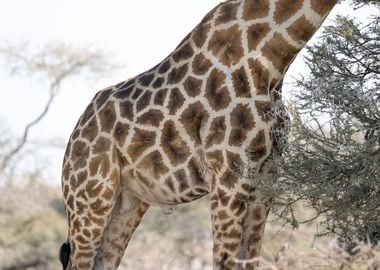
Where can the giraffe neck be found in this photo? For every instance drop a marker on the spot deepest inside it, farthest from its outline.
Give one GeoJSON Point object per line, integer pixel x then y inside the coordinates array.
{"type": "Point", "coordinates": [254, 41]}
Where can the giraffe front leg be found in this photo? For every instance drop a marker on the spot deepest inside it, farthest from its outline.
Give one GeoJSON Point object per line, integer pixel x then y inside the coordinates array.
{"type": "Point", "coordinates": [238, 215]}
{"type": "Point", "coordinates": [125, 218]}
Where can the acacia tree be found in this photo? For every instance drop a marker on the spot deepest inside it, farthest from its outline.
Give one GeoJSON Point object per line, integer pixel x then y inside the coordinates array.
{"type": "Point", "coordinates": [53, 63]}
{"type": "Point", "coordinates": [332, 158]}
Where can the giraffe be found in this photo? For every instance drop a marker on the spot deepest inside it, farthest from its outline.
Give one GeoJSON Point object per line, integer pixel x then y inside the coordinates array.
{"type": "Point", "coordinates": [188, 127]}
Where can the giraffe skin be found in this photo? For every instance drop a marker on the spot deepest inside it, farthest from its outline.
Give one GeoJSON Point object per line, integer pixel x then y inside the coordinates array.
{"type": "Point", "coordinates": [188, 127]}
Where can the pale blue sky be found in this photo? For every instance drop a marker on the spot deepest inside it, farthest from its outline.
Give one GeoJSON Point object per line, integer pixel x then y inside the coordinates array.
{"type": "Point", "coordinates": [138, 34]}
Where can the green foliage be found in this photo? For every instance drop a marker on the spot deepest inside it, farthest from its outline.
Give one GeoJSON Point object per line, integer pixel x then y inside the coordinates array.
{"type": "Point", "coordinates": [332, 159]}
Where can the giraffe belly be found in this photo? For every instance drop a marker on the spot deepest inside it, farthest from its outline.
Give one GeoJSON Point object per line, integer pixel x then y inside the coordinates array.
{"type": "Point", "coordinates": [186, 183]}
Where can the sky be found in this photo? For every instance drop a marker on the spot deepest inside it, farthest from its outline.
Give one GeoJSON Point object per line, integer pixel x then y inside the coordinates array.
{"type": "Point", "coordinates": [136, 34]}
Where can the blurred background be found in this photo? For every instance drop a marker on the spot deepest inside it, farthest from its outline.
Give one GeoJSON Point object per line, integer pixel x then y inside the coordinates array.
{"type": "Point", "coordinates": [54, 57]}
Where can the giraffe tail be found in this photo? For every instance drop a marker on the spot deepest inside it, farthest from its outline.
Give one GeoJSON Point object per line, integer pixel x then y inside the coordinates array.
{"type": "Point", "coordinates": [64, 254]}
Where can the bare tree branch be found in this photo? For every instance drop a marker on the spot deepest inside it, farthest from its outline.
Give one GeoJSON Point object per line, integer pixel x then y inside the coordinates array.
{"type": "Point", "coordinates": [54, 63]}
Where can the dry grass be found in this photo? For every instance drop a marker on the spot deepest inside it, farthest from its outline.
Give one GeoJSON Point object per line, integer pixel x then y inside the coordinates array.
{"type": "Point", "coordinates": [33, 228]}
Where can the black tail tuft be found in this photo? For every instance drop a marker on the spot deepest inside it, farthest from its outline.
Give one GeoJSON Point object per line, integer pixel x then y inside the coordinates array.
{"type": "Point", "coordinates": [64, 255]}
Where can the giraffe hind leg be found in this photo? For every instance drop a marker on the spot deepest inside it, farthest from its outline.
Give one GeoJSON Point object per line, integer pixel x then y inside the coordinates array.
{"type": "Point", "coordinates": [125, 218]}
{"type": "Point", "coordinates": [91, 182]}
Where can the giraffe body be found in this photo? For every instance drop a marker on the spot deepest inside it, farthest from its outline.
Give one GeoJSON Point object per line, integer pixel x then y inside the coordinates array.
{"type": "Point", "coordinates": [188, 127]}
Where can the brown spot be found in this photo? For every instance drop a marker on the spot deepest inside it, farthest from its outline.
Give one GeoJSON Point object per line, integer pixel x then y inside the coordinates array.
{"type": "Point", "coordinates": [286, 9]}
{"type": "Point", "coordinates": [228, 179]}
{"type": "Point", "coordinates": [216, 91]}
{"type": "Point", "coordinates": [141, 141]}
{"type": "Point", "coordinates": [257, 148]}
{"type": "Point", "coordinates": [217, 131]}
{"type": "Point", "coordinates": [121, 133]}
{"type": "Point", "coordinates": [108, 194]}
{"type": "Point", "coordinates": [164, 67]}
{"type": "Point", "coordinates": [93, 188]}
{"type": "Point", "coordinates": [234, 161]}
{"type": "Point", "coordinates": [76, 133]}
{"type": "Point", "coordinates": [124, 90]}
{"type": "Point", "coordinates": [82, 176]}
{"type": "Point", "coordinates": [226, 45]}
{"type": "Point", "coordinates": [260, 76]}
{"type": "Point", "coordinates": [242, 122]}
{"type": "Point", "coordinates": [152, 117]}
{"type": "Point", "coordinates": [201, 64]}
{"type": "Point", "coordinates": [160, 96]}
{"type": "Point", "coordinates": [173, 145]}
{"type": "Point", "coordinates": [143, 101]}
{"type": "Point", "coordinates": [265, 110]}
{"type": "Point", "coordinates": [107, 117]}
{"type": "Point", "coordinates": [231, 246]}
{"type": "Point", "coordinates": [301, 30]}
{"type": "Point", "coordinates": [87, 114]}
{"type": "Point", "coordinates": [90, 131]}
{"type": "Point", "coordinates": [222, 215]}
{"type": "Point", "coordinates": [137, 93]}
{"type": "Point", "coordinates": [227, 13]}
{"type": "Point", "coordinates": [87, 234]}
{"type": "Point", "coordinates": [239, 204]}
{"type": "Point", "coordinates": [177, 74]}
{"type": "Point", "coordinates": [169, 183]}
{"type": "Point", "coordinates": [70, 202]}
{"type": "Point", "coordinates": [146, 79]}
{"type": "Point", "coordinates": [200, 34]}
{"type": "Point", "coordinates": [158, 83]}
{"type": "Point", "coordinates": [257, 213]}
{"type": "Point", "coordinates": [153, 163]}
{"type": "Point", "coordinates": [215, 160]}
{"type": "Point", "coordinates": [248, 188]}
{"type": "Point", "coordinates": [180, 176]}
{"type": "Point", "coordinates": [192, 86]}
{"type": "Point", "coordinates": [279, 52]}
{"type": "Point", "coordinates": [255, 9]}
{"type": "Point", "coordinates": [126, 110]}
{"type": "Point", "coordinates": [322, 6]}
{"type": "Point", "coordinates": [102, 97]}
{"type": "Point", "coordinates": [99, 164]}
{"type": "Point", "coordinates": [176, 100]}
{"type": "Point", "coordinates": [195, 172]}
{"type": "Point", "coordinates": [79, 154]}
{"type": "Point", "coordinates": [192, 119]}
{"type": "Point", "coordinates": [223, 197]}
{"type": "Point", "coordinates": [241, 84]}
{"type": "Point", "coordinates": [84, 265]}
{"type": "Point", "coordinates": [102, 145]}
{"type": "Point", "coordinates": [184, 53]}
{"type": "Point", "coordinates": [125, 84]}
{"type": "Point", "coordinates": [124, 94]}
{"type": "Point", "coordinates": [99, 207]}
{"type": "Point", "coordinates": [256, 33]}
